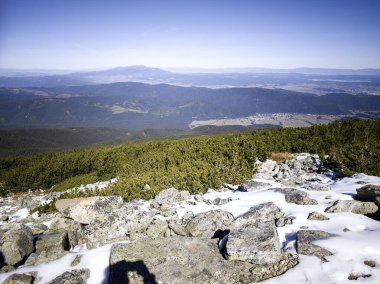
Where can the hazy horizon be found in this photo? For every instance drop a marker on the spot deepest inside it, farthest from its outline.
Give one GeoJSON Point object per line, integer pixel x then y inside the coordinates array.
{"type": "Point", "coordinates": [79, 35]}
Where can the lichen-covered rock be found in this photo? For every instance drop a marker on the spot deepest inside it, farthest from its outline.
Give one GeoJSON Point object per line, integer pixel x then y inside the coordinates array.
{"type": "Point", "coordinates": [59, 223]}
{"type": "Point", "coordinates": [77, 276]}
{"type": "Point", "coordinates": [16, 245]}
{"type": "Point", "coordinates": [353, 206]}
{"type": "Point", "coordinates": [178, 229]}
{"type": "Point", "coordinates": [305, 246]}
{"type": "Point", "coordinates": [88, 209]}
{"type": "Point", "coordinates": [283, 221]}
{"type": "Point", "coordinates": [280, 266]}
{"type": "Point", "coordinates": [253, 236]}
{"type": "Point", "coordinates": [38, 228]}
{"type": "Point", "coordinates": [184, 260]}
{"type": "Point", "coordinates": [264, 212]}
{"type": "Point", "coordinates": [76, 234]}
{"type": "Point", "coordinates": [316, 216]}
{"type": "Point", "coordinates": [297, 196]}
{"type": "Point", "coordinates": [265, 170]}
{"type": "Point", "coordinates": [127, 222]}
{"type": "Point", "coordinates": [257, 243]}
{"type": "Point", "coordinates": [50, 247]}
{"type": "Point", "coordinates": [207, 223]}
{"type": "Point", "coordinates": [187, 217]}
{"type": "Point", "coordinates": [171, 195]}
{"type": "Point", "coordinates": [18, 278]}
{"type": "Point", "coordinates": [157, 229]}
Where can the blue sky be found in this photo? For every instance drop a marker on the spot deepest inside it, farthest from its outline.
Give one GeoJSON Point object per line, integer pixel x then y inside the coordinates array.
{"type": "Point", "coordinates": [81, 34]}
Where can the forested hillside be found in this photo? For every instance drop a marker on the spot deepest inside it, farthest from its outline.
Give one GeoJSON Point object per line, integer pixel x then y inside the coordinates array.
{"type": "Point", "coordinates": [194, 164]}
{"type": "Point", "coordinates": [136, 106]}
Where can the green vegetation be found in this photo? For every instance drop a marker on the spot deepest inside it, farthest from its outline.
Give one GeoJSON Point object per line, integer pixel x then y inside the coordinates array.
{"type": "Point", "coordinates": [196, 163]}
{"type": "Point", "coordinates": [75, 181]}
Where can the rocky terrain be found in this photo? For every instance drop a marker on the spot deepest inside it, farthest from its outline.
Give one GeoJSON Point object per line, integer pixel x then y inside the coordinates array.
{"type": "Point", "coordinates": [294, 222]}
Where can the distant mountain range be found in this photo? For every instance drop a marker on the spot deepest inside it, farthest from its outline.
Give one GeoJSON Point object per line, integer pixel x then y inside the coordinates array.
{"type": "Point", "coordinates": [136, 106]}
{"type": "Point", "coordinates": [247, 77]}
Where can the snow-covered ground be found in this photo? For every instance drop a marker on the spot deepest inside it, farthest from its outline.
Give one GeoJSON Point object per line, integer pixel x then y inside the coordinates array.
{"type": "Point", "coordinates": [357, 237]}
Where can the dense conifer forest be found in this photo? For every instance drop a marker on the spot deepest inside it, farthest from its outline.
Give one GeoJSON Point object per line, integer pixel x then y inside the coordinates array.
{"type": "Point", "coordinates": [195, 163]}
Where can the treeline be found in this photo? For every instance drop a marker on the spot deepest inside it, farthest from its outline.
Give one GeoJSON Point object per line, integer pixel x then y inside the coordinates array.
{"type": "Point", "coordinates": [197, 163]}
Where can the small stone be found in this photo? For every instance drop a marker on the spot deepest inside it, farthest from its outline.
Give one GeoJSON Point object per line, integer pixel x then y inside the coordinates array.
{"type": "Point", "coordinates": [370, 263]}
{"type": "Point", "coordinates": [316, 216]}
{"type": "Point", "coordinates": [146, 187]}
{"type": "Point", "coordinates": [354, 276]}
{"type": "Point", "coordinates": [76, 261]}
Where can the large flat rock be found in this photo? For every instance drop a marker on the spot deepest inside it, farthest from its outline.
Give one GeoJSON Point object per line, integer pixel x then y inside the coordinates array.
{"type": "Point", "coordinates": [172, 260]}
{"type": "Point", "coordinates": [186, 260]}
{"type": "Point", "coordinates": [86, 210]}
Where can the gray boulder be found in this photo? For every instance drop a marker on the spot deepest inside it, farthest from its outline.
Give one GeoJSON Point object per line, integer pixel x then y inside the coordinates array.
{"type": "Point", "coordinates": [207, 223]}
{"type": "Point", "coordinates": [16, 245]}
{"type": "Point", "coordinates": [257, 243]}
{"type": "Point", "coordinates": [316, 216]}
{"type": "Point", "coordinates": [171, 195]}
{"type": "Point", "coordinates": [262, 213]}
{"type": "Point", "coordinates": [305, 246]}
{"type": "Point", "coordinates": [251, 185]}
{"type": "Point", "coordinates": [88, 209]}
{"type": "Point", "coordinates": [297, 196]}
{"type": "Point", "coordinates": [353, 206]}
{"type": "Point", "coordinates": [266, 170]}
{"type": "Point", "coordinates": [50, 247]}
{"type": "Point", "coordinates": [178, 229]}
{"type": "Point", "coordinates": [157, 229]}
{"type": "Point", "coordinates": [59, 223]}
{"type": "Point", "coordinates": [370, 193]}
{"type": "Point", "coordinates": [183, 260]}
{"type": "Point", "coordinates": [253, 236]}
{"type": "Point", "coordinates": [317, 187]}
{"type": "Point", "coordinates": [76, 234]}
{"type": "Point", "coordinates": [187, 217]}
{"type": "Point", "coordinates": [77, 276]}
{"type": "Point", "coordinates": [38, 228]}
{"type": "Point", "coordinates": [128, 222]}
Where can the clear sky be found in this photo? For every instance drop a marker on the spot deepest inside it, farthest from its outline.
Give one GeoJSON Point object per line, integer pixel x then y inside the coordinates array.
{"type": "Point", "coordinates": [80, 34]}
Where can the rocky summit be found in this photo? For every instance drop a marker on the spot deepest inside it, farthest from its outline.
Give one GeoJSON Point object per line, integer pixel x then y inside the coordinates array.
{"type": "Point", "coordinates": [293, 222]}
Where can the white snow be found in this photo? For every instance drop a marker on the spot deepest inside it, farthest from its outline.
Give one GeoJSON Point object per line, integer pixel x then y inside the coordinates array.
{"type": "Point", "coordinates": [357, 237]}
